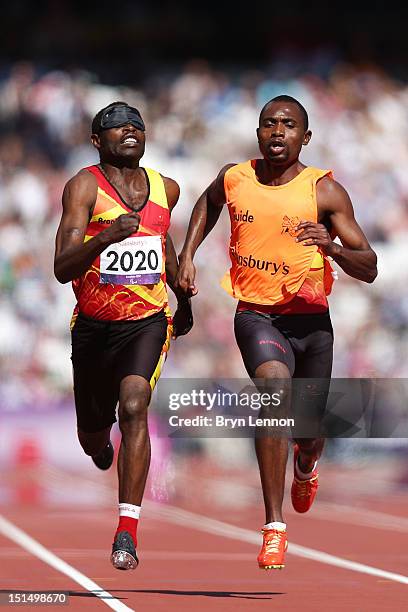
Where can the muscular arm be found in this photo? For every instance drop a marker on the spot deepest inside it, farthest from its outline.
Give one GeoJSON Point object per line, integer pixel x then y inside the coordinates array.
{"type": "Point", "coordinates": [355, 256]}
{"type": "Point", "coordinates": [204, 216]}
{"type": "Point", "coordinates": [72, 256]}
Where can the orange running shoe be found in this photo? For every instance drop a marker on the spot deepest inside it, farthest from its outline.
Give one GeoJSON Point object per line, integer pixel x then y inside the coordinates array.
{"type": "Point", "coordinates": [273, 549]}
{"type": "Point", "coordinates": [303, 492]}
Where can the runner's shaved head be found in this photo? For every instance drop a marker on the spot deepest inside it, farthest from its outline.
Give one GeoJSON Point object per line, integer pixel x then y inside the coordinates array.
{"type": "Point", "coordinates": [291, 100]}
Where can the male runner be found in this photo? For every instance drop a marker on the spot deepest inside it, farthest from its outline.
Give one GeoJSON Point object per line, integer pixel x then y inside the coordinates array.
{"type": "Point", "coordinates": [284, 217]}
{"type": "Point", "coordinates": [112, 243]}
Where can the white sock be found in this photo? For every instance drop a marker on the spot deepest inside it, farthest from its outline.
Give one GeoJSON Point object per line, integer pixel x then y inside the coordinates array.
{"type": "Point", "coordinates": [129, 510]}
{"type": "Point", "coordinates": [275, 525]}
{"type": "Point", "coordinates": [301, 475]}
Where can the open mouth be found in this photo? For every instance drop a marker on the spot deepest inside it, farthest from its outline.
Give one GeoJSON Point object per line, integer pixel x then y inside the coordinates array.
{"type": "Point", "coordinates": [130, 141]}
{"type": "Point", "coordinates": [277, 147]}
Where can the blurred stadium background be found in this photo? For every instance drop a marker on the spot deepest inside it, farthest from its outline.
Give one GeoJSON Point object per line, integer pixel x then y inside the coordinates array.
{"type": "Point", "coordinates": [199, 76]}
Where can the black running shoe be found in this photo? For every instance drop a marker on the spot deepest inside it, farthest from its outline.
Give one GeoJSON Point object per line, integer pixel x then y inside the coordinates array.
{"type": "Point", "coordinates": [105, 458]}
{"type": "Point", "coordinates": [124, 555]}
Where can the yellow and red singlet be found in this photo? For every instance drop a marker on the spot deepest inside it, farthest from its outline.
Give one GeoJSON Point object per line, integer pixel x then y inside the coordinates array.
{"type": "Point", "coordinates": [270, 271]}
{"type": "Point", "coordinates": [128, 280]}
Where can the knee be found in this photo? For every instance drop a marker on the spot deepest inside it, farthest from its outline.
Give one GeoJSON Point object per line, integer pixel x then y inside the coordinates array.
{"type": "Point", "coordinates": [133, 410]}
{"type": "Point", "coordinates": [272, 370]}
{"type": "Point", "coordinates": [273, 378]}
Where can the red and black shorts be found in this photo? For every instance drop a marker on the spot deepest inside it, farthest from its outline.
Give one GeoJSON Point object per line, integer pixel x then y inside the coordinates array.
{"type": "Point", "coordinates": [104, 353]}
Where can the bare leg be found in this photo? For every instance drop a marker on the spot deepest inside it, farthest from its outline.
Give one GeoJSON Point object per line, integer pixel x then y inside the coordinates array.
{"type": "Point", "coordinates": [134, 452]}
{"type": "Point", "coordinates": [94, 443]}
{"type": "Point", "coordinates": [309, 452]}
{"type": "Point", "coordinates": [272, 452]}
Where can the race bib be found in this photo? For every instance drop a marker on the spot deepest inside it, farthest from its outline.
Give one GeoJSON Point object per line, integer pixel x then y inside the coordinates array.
{"type": "Point", "coordinates": [134, 261]}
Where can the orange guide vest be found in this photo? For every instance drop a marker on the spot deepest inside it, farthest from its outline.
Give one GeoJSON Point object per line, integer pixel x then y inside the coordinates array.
{"type": "Point", "coordinates": [268, 267]}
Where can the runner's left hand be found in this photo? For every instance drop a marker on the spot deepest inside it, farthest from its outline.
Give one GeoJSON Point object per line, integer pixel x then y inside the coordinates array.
{"type": "Point", "coordinates": [183, 318]}
{"type": "Point", "coordinates": [316, 233]}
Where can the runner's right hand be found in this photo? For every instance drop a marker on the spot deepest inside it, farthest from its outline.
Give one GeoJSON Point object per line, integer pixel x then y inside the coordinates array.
{"type": "Point", "coordinates": [123, 227]}
{"type": "Point", "coordinates": [186, 277]}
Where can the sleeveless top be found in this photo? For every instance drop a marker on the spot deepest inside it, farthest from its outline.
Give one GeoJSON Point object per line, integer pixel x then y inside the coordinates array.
{"type": "Point", "coordinates": [269, 268]}
{"type": "Point", "coordinates": [128, 280]}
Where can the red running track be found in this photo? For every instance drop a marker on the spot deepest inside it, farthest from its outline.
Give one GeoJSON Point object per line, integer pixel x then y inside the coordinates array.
{"type": "Point", "coordinates": [186, 566]}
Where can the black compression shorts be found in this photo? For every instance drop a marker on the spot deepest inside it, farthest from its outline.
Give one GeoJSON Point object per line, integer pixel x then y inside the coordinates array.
{"type": "Point", "coordinates": [303, 342]}
{"type": "Point", "coordinates": [103, 353]}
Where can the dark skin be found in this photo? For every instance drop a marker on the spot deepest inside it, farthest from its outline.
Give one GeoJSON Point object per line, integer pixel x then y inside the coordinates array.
{"type": "Point", "coordinates": [72, 256]}
{"type": "Point", "coordinates": [120, 151]}
{"type": "Point", "coordinates": [281, 136]}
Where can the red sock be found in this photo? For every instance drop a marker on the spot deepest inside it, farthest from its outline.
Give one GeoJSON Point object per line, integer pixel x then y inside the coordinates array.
{"type": "Point", "coordinates": [128, 524]}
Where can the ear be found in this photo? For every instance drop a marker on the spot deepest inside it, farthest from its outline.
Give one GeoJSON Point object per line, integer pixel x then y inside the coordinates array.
{"type": "Point", "coordinates": [307, 138]}
{"type": "Point", "coordinates": [95, 139]}
{"type": "Point", "coordinates": [257, 133]}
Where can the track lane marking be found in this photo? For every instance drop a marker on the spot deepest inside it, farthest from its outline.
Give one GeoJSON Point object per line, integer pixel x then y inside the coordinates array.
{"type": "Point", "coordinates": [359, 516]}
{"type": "Point", "coordinates": [323, 510]}
{"type": "Point", "coordinates": [20, 537]}
{"type": "Point", "coordinates": [208, 525]}
{"type": "Point", "coordinates": [226, 530]}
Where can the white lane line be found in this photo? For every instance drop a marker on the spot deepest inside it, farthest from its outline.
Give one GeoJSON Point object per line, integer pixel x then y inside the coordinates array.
{"type": "Point", "coordinates": [157, 555]}
{"type": "Point", "coordinates": [16, 535]}
{"type": "Point", "coordinates": [323, 510]}
{"type": "Point", "coordinates": [329, 511]}
{"type": "Point", "coordinates": [341, 513]}
{"type": "Point", "coordinates": [203, 523]}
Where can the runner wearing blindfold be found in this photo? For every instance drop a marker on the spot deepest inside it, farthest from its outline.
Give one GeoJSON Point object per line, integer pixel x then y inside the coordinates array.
{"type": "Point", "coordinates": [113, 244]}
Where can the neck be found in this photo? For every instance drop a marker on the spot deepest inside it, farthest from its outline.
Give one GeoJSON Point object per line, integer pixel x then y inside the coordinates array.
{"type": "Point", "coordinates": [272, 174]}
{"type": "Point", "coordinates": [119, 170]}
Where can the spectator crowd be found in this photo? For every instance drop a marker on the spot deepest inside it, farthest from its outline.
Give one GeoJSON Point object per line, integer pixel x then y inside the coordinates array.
{"type": "Point", "coordinates": [198, 119]}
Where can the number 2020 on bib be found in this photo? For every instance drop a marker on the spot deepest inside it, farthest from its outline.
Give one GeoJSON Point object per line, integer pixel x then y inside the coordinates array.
{"type": "Point", "coordinates": [134, 261]}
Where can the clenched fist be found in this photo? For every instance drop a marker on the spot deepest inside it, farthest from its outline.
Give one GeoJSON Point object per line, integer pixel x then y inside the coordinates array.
{"type": "Point", "coordinates": [183, 318]}
{"type": "Point", "coordinates": [123, 227]}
